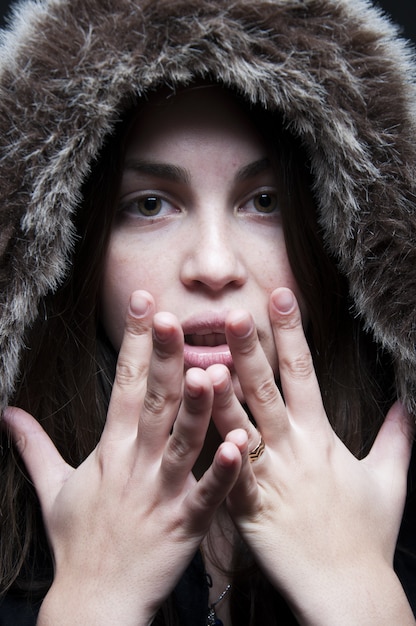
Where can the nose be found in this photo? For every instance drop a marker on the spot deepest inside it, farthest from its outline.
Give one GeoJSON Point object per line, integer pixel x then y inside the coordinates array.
{"type": "Point", "coordinates": [213, 257]}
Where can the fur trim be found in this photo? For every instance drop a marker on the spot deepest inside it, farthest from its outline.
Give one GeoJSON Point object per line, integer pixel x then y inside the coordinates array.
{"type": "Point", "coordinates": [335, 69]}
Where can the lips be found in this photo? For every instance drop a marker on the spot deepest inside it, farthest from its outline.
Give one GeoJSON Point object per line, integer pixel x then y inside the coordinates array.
{"type": "Point", "coordinates": [205, 342]}
{"type": "Point", "coordinates": [208, 340]}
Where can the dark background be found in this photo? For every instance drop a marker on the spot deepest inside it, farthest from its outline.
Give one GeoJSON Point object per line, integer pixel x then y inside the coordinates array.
{"type": "Point", "coordinates": [403, 13]}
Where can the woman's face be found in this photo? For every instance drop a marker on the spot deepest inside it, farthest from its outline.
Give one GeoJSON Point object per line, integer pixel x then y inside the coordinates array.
{"type": "Point", "coordinates": [197, 224]}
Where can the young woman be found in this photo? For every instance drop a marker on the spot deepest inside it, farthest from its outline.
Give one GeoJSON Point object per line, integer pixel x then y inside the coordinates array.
{"type": "Point", "coordinates": [221, 210]}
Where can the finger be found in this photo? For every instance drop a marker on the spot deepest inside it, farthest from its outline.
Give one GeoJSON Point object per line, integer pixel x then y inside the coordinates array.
{"type": "Point", "coordinates": [244, 499]}
{"type": "Point", "coordinates": [392, 448]}
{"type": "Point", "coordinates": [164, 384]}
{"type": "Point", "coordinates": [296, 371]}
{"type": "Point", "coordinates": [45, 465]}
{"type": "Point", "coordinates": [130, 381]}
{"type": "Point", "coordinates": [188, 434]}
{"type": "Point", "coordinates": [227, 411]}
{"type": "Point", "coordinates": [255, 376]}
{"type": "Point", "coordinates": [212, 489]}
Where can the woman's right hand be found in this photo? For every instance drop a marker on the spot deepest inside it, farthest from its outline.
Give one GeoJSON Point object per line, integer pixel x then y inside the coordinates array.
{"type": "Point", "coordinates": [124, 525]}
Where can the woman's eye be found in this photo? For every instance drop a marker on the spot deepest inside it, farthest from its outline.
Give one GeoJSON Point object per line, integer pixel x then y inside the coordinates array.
{"type": "Point", "coordinates": [262, 203]}
{"type": "Point", "coordinates": [147, 206]}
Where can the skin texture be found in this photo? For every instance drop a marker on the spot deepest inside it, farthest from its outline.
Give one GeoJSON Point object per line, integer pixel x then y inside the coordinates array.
{"type": "Point", "coordinates": [321, 524]}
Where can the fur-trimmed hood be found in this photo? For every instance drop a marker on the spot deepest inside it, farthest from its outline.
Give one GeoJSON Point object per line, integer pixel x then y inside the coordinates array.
{"type": "Point", "coordinates": [334, 69]}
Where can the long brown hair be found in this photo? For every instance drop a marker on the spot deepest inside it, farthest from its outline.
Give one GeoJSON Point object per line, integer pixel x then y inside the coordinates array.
{"type": "Point", "coordinates": [66, 376]}
{"type": "Point", "coordinates": [68, 369]}
{"type": "Point", "coordinates": [355, 375]}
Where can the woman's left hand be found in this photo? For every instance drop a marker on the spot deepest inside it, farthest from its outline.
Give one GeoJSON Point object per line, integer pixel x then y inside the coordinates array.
{"type": "Point", "coordinates": [322, 524]}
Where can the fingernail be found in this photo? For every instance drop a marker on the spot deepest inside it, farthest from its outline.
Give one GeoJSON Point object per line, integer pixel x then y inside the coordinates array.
{"type": "Point", "coordinates": [283, 300]}
{"type": "Point", "coordinates": [241, 325]}
{"type": "Point", "coordinates": [193, 389]}
{"type": "Point", "coordinates": [139, 304]}
{"type": "Point", "coordinates": [220, 377]}
{"type": "Point", "coordinates": [226, 457]}
{"type": "Point", "coordinates": [162, 327]}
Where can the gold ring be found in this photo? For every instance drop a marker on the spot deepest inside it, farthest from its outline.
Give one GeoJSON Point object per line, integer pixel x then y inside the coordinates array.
{"type": "Point", "coordinates": [257, 451]}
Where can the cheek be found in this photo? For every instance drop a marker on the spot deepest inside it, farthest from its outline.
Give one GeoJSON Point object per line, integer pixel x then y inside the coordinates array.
{"type": "Point", "coordinates": [126, 271]}
{"type": "Point", "coordinates": [270, 277]}
{"type": "Point", "coordinates": [114, 297]}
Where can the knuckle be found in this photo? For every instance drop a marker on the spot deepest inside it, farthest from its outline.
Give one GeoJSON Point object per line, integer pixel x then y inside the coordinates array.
{"type": "Point", "coordinates": [20, 442]}
{"type": "Point", "coordinates": [291, 322]}
{"type": "Point", "coordinates": [179, 448]}
{"type": "Point", "coordinates": [154, 402]}
{"type": "Point", "coordinates": [127, 373]}
{"type": "Point", "coordinates": [137, 326]}
{"type": "Point", "coordinates": [266, 393]}
{"type": "Point", "coordinates": [206, 497]}
{"type": "Point", "coordinates": [299, 367]}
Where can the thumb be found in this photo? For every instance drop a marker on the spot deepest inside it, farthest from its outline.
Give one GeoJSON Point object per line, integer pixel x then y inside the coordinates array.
{"type": "Point", "coordinates": [392, 448]}
{"type": "Point", "coordinates": [45, 465]}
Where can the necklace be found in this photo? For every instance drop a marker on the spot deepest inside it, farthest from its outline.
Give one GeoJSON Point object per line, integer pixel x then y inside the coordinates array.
{"type": "Point", "coordinates": [212, 619]}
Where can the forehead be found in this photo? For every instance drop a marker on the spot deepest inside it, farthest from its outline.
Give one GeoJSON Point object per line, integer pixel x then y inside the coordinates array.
{"type": "Point", "coordinates": [198, 114]}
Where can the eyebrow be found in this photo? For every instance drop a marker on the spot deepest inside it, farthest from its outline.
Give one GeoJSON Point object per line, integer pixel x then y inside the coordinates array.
{"type": "Point", "coordinates": [167, 171]}
{"type": "Point", "coordinates": [179, 174]}
{"type": "Point", "coordinates": [252, 169]}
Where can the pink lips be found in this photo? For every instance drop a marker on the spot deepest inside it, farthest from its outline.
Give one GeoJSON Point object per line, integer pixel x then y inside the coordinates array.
{"type": "Point", "coordinates": [205, 342]}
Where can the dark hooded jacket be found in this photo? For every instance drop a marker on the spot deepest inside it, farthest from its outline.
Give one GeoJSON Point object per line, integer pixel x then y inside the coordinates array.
{"type": "Point", "coordinates": [335, 71]}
